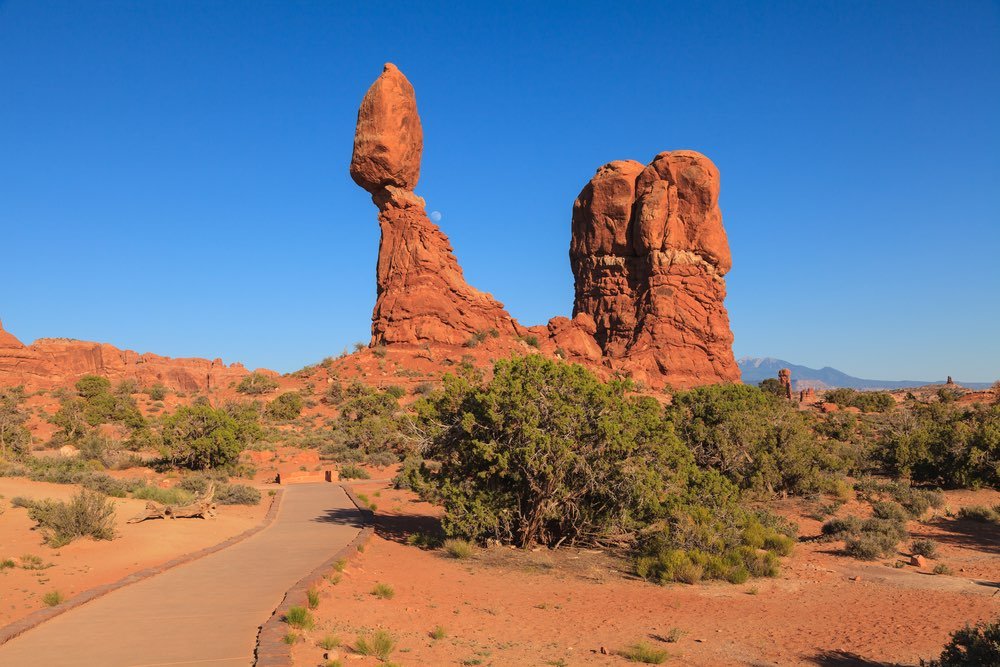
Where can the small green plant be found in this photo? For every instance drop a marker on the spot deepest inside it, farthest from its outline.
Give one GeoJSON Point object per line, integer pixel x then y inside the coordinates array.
{"type": "Point", "coordinates": [941, 568]}
{"type": "Point", "coordinates": [383, 591]}
{"type": "Point", "coordinates": [7, 563]}
{"type": "Point", "coordinates": [644, 653]}
{"type": "Point", "coordinates": [312, 595]}
{"type": "Point", "coordinates": [299, 617]}
{"type": "Point", "coordinates": [340, 564]}
{"type": "Point", "coordinates": [925, 548]}
{"type": "Point", "coordinates": [52, 598]}
{"type": "Point", "coordinates": [33, 562]}
{"type": "Point", "coordinates": [459, 548]}
{"type": "Point", "coordinates": [438, 632]}
{"type": "Point", "coordinates": [329, 642]}
{"type": "Point", "coordinates": [334, 578]}
{"type": "Point", "coordinates": [291, 638]}
{"type": "Point", "coordinates": [379, 644]}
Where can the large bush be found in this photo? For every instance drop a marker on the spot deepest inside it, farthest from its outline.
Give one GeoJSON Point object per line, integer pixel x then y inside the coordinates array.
{"type": "Point", "coordinates": [946, 445]}
{"type": "Point", "coordinates": [759, 442]}
{"type": "Point", "coordinates": [971, 646]}
{"type": "Point", "coordinates": [866, 401]}
{"type": "Point", "coordinates": [547, 453]}
{"type": "Point", "coordinates": [200, 437]}
{"type": "Point", "coordinates": [285, 407]}
{"type": "Point", "coordinates": [256, 384]}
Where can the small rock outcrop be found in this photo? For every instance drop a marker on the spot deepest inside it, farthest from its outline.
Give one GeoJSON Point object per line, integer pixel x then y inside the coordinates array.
{"type": "Point", "coordinates": [422, 295]}
{"type": "Point", "coordinates": [785, 378]}
{"type": "Point", "coordinates": [649, 255]}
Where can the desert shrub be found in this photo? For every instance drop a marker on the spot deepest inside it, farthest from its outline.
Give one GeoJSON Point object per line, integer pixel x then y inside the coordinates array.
{"type": "Point", "coordinates": [107, 408]}
{"type": "Point", "coordinates": [15, 438]}
{"type": "Point", "coordinates": [458, 548]}
{"type": "Point", "coordinates": [644, 653]}
{"type": "Point", "coordinates": [157, 392]}
{"type": "Point", "coordinates": [531, 341]}
{"type": "Point", "coordinates": [866, 401]}
{"type": "Point", "coordinates": [438, 632]}
{"type": "Point", "coordinates": [926, 548]}
{"type": "Point", "coordinates": [760, 443]}
{"type": "Point", "coordinates": [423, 389]}
{"type": "Point", "coordinates": [329, 642]}
{"type": "Point", "coordinates": [546, 453]}
{"type": "Point", "coordinates": [237, 494]}
{"type": "Point", "coordinates": [108, 485]}
{"type": "Point", "coordinates": [172, 496]}
{"type": "Point", "coordinates": [971, 646]}
{"type": "Point", "coordinates": [353, 472]}
{"type": "Point", "coordinates": [945, 445]}
{"type": "Point", "coordinates": [869, 546]}
{"type": "Point", "coordinates": [941, 568]}
{"type": "Point", "coordinates": [395, 391]}
{"type": "Point", "coordinates": [312, 596]}
{"type": "Point", "coordinates": [52, 598]}
{"type": "Point", "coordinates": [840, 527]}
{"type": "Point", "coordinates": [285, 407]}
{"type": "Point", "coordinates": [379, 644]}
{"type": "Point", "coordinates": [371, 421]}
{"type": "Point", "coordinates": [90, 386]}
{"type": "Point", "coordinates": [978, 513]}
{"type": "Point", "coordinates": [706, 533]}
{"type": "Point", "coordinates": [256, 384]}
{"type": "Point", "coordinates": [87, 514]}
{"type": "Point", "coordinates": [889, 510]}
{"type": "Point", "coordinates": [200, 437]}
{"type": "Point", "coordinates": [383, 591]}
{"type": "Point", "coordinates": [300, 618]}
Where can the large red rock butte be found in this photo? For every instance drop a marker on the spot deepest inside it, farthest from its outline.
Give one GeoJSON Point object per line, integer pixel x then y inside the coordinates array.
{"type": "Point", "coordinates": [422, 295]}
{"type": "Point", "coordinates": [648, 252]}
{"type": "Point", "coordinates": [53, 362]}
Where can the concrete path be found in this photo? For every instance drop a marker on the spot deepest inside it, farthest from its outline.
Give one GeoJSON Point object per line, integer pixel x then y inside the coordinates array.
{"type": "Point", "coordinates": [203, 613]}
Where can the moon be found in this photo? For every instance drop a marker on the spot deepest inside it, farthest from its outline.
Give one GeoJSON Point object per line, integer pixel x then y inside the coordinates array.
{"type": "Point", "coordinates": [436, 216]}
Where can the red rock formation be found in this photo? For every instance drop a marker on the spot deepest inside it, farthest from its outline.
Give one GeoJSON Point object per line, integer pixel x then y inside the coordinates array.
{"type": "Point", "coordinates": [785, 378]}
{"type": "Point", "coordinates": [51, 362]}
{"type": "Point", "coordinates": [808, 396]}
{"type": "Point", "coordinates": [422, 294]}
{"type": "Point", "coordinates": [649, 254]}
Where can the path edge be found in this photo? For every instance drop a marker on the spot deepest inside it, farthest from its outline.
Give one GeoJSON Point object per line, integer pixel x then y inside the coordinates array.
{"type": "Point", "coordinates": [36, 618]}
{"type": "Point", "coordinates": [271, 649]}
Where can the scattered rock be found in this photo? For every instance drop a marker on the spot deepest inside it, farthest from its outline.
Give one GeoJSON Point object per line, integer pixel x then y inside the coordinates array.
{"type": "Point", "coordinates": [917, 560]}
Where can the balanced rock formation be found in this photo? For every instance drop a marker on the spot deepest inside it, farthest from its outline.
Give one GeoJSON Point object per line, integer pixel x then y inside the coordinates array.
{"type": "Point", "coordinates": [52, 362]}
{"type": "Point", "coordinates": [422, 294]}
{"type": "Point", "coordinates": [648, 252]}
{"type": "Point", "coordinates": [649, 255]}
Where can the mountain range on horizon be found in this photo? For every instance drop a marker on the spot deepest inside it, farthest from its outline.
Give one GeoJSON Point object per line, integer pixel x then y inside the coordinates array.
{"type": "Point", "coordinates": [756, 369]}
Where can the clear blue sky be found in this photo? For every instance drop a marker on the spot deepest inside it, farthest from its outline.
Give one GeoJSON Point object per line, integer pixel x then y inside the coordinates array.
{"type": "Point", "coordinates": [173, 175]}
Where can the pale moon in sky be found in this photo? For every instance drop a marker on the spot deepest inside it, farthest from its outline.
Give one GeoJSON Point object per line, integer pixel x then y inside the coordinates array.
{"type": "Point", "coordinates": [436, 216]}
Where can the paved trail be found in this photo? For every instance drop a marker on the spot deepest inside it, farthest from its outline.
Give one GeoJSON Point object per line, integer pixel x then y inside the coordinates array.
{"type": "Point", "coordinates": [203, 613]}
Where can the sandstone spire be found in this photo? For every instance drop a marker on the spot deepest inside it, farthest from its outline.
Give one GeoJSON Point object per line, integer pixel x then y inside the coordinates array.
{"type": "Point", "coordinates": [422, 294]}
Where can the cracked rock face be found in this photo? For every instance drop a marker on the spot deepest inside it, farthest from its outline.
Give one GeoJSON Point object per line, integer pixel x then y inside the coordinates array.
{"type": "Point", "coordinates": [649, 255]}
{"type": "Point", "coordinates": [422, 294]}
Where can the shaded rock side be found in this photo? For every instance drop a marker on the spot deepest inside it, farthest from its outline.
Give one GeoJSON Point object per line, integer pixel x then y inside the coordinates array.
{"type": "Point", "coordinates": [649, 255]}
{"type": "Point", "coordinates": [422, 294]}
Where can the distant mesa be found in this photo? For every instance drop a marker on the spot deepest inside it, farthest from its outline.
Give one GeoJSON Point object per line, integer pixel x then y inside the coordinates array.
{"type": "Point", "coordinates": [51, 362]}
{"type": "Point", "coordinates": [648, 252]}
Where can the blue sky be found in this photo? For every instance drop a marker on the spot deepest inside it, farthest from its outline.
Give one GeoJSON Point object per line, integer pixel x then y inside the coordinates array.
{"type": "Point", "coordinates": [173, 175]}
